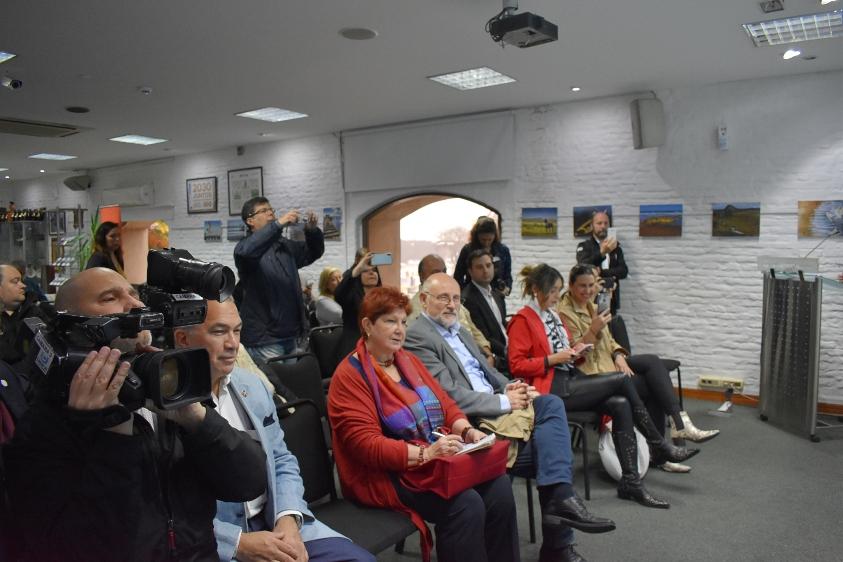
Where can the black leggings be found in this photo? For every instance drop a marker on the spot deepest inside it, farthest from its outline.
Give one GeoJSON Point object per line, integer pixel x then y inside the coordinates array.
{"type": "Point", "coordinates": [652, 381]}
{"type": "Point", "coordinates": [610, 393]}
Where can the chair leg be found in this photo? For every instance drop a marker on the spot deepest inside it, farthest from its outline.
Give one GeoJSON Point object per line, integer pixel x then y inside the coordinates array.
{"type": "Point", "coordinates": [399, 547]}
{"type": "Point", "coordinates": [586, 479]}
{"type": "Point", "coordinates": [679, 382]}
{"type": "Point", "coordinates": [530, 516]}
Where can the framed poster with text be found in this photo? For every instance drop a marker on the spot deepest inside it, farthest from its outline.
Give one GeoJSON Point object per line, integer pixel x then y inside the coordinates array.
{"type": "Point", "coordinates": [243, 184]}
{"type": "Point", "coordinates": [202, 195]}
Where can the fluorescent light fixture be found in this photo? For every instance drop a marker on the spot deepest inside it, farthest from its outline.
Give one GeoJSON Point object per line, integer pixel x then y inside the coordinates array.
{"type": "Point", "coordinates": [824, 2]}
{"type": "Point", "coordinates": [3, 169]}
{"type": "Point", "coordinates": [795, 29]}
{"type": "Point", "coordinates": [271, 114]}
{"type": "Point", "coordinates": [472, 79]}
{"type": "Point", "coordinates": [4, 56]}
{"type": "Point", "coordinates": [791, 53]}
{"type": "Point", "coordinates": [576, 89]}
{"type": "Point", "coordinates": [138, 139]}
{"type": "Point", "coordinates": [7, 177]}
{"type": "Point", "coordinates": [48, 156]}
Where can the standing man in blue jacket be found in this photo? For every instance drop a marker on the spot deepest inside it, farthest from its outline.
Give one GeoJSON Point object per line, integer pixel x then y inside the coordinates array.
{"type": "Point", "coordinates": [270, 295]}
{"type": "Point", "coordinates": [276, 525]}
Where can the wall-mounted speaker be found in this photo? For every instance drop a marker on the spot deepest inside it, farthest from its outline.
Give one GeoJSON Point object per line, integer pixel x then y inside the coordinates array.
{"type": "Point", "coordinates": [78, 183]}
{"type": "Point", "coordinates": [647, 123]}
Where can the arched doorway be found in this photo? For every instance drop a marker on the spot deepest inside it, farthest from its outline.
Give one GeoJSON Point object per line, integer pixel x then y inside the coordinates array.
{"type": "Point", "coordinates": [412, 227]}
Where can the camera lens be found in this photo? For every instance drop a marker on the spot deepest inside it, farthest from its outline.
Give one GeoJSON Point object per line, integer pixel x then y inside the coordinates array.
{"type": "Point", "coordinates": [169, 381]}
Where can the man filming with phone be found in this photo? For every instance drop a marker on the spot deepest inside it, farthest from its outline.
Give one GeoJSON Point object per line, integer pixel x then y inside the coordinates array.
{"type": "Point", "coordinates": [603, 250]}
{"type": "Point", "coordinates": [269, 294]}
{"type": "Point", "coordinates": [91, 480]}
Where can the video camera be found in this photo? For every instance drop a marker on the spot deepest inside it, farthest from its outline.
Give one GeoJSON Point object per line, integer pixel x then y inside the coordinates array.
{"type": "Point", "coordinates": [170, 378]}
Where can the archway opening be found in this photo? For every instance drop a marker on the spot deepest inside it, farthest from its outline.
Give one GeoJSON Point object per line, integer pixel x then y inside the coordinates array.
{"type": "Point", "coordinates": [415, 226]}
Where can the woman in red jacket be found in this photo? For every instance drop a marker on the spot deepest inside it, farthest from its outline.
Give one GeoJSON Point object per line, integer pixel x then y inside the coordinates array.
{"type": "Point", "coordinates": [384, 406]}
{"type": "Point", "coordinates": [539, 351]}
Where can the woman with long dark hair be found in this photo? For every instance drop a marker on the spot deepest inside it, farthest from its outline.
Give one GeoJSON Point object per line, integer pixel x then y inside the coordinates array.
{"type": "Point", "coordinates": [540, 352]}
{"type": "Point", "coordinates": [107, 251]}
{"type": "Point", "coordinates": [357, 280]}
{"type": "Point", "coordinates": [486, 235]}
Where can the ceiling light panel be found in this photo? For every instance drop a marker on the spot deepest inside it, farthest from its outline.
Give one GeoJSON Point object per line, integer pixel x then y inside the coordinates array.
{"type": "Point", "coordinates": [472, 79]}
{"type": "Point", "coordinates": [795, 29]}
{"type": "Point", "coordinates": [138, 139]}
{"type": "Point", "coordinates": [4, 56]}
{"type": "Point", "coordinates": [48, 156]}
{"type": "Point", "coordinates": [3, 169]}
{"type": "Point", "coordinates": [272, 114]}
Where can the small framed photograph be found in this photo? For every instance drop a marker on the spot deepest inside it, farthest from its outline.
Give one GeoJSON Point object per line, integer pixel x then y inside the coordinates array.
{"type": "Point", "coordinates": [202, 195]}
{"type": "Point", "coordinates": [243, 184]}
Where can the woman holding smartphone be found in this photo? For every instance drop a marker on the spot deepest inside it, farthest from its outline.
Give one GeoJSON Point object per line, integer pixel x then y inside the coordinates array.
{"type": "Point", "coordinates": [540, 352]}
{"type": "Point", "coordinates": [357, 280]}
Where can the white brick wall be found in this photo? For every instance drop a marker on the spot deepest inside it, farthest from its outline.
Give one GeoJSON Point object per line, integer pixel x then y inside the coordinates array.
{"type": "Point", "coordinates": [694, 298]}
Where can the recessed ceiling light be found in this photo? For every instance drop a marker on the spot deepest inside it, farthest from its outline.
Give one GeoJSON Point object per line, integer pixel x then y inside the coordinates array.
{"type": "Point", "coordinates": [791, 53]}
{"type": "Point", "coordinates": [271, 114]}
{"type": "Point", "coordinates": [48, 156]}
{"type": "Point", "coordinates": [472, 79]}
{"type": "Point", "coordinates": [358, 33]}
{"type": "Point", "coordinates": [76, 109]}
{"type": "Point", "coordinates": [8, 178]}
{"type": "Point", "coordinates": [138, 139]}
{"type": "Point", "coordinates": [42, 171]}
{"type": "Point", "coordinates": [4, 56]}
{"type": "Point", "coordinates": [795, 29]}
{"type": "Point", "coordinates": [576, 89]}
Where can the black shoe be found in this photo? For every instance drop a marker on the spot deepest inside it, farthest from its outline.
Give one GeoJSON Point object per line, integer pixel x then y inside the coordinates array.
{"type": "Point", "coordinates": [573, 513]}
{"type": "Point", "coordinates": [665, 451]}
{"type": "Point", "coordinates": [633, 489]}
{"type": "Point", "coordinates": [564, 554]}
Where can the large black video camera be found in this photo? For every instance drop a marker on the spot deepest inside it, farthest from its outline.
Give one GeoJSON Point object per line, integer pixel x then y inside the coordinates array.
{"type": "Point", "coordinates": [170, 378]}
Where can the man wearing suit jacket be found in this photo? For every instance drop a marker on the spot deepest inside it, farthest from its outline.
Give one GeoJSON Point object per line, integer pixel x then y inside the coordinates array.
{"type": "Point", "coordinates": [278, 524]}
{"type": "Point", "coordinates": [603, 251]}
{"type": "Point", "coordinates": [485, 304]}
{"type": "Point", "coordinates": [450, 354]}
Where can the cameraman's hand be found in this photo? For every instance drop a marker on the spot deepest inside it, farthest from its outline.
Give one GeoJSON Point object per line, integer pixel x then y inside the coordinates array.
{"type": "Point", "coordinates": [189, 417]}
{"type": "Point", "coordinates": [95, 384]}
{"type": "Point", "coordinates": [288, 218]}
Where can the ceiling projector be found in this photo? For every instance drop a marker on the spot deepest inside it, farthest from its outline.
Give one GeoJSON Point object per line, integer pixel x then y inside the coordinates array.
{"type": "Point", "coordinates": [522, 30]}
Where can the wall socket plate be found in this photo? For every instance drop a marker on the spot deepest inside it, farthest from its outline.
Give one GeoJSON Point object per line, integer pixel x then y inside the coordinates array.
{"type": "Point", "coordinates": [720, 383]}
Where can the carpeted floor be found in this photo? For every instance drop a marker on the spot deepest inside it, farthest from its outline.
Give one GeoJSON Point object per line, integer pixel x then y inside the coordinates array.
{"type": "Point", "coordinates": [756, 493]}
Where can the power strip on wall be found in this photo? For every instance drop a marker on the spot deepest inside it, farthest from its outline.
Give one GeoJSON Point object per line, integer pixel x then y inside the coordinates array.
{"type": "Point", "coordinates": [720, 383]}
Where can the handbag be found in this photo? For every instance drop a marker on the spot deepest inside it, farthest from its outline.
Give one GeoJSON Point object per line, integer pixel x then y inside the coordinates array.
{"type": "Point", "coordinates": [449, 476]}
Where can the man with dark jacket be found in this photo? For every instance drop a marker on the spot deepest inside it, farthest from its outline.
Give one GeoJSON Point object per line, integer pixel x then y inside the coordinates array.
{"type": "Point", "coordinates": [603, 251]}
{"type": "Point", "coordinates": [90, 480]}
{"type": "Point", "coordinates": [14, 337]}
{"type": "Point", "coordinates": [486, 304]}
{"type": "Point", "coordinates": [270, 292]}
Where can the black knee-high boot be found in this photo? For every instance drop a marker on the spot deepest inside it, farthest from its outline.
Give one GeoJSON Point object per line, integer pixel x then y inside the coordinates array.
{"type": "Point", "coordinates": [630, 486]}
{"type": "Point", "coordinates": [661, 449]}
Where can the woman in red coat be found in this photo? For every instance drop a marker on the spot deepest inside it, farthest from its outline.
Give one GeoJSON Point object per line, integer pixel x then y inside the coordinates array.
{"type": "Point", "coordinates": [384, 405]}
{"type": "Point", "coordinates": [539, 351]}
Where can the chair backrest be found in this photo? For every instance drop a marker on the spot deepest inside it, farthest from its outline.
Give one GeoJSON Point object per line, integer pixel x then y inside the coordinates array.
{"type": "Point", "coordinates": [301, 376]}
{"type": "Point", "coordinates": [324, 343]}
{"type": "Point", "coordinates": [304, 438]}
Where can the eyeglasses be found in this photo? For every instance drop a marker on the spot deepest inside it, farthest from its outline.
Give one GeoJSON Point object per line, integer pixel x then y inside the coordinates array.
{"type": "Point", "coordinates": [269, 210]}
{"type": "Point", "coordinates": [445, 299]}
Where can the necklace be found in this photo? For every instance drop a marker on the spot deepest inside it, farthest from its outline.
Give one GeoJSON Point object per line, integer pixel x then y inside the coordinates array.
{"type": "Point", "coordinates": [387, 363]}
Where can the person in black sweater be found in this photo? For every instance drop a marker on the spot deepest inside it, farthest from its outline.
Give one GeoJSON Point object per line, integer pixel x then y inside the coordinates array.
{"type": "Point", "coordinates": [107, 250]}
{"type": "Point", "coordinates": [485, 235]}
{"type": "Point", "coordinates": [90, 480]}
{"type": "Point", "coordinates": [356, 281]}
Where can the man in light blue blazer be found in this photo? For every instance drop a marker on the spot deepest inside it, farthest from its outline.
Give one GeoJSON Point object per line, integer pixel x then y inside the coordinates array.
{"type": "Point", "coordinates": [277, 525]}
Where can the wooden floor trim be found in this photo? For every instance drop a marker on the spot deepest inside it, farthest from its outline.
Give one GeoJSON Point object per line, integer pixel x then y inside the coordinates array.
{"type": "Point", "coordinates": [750, 400]}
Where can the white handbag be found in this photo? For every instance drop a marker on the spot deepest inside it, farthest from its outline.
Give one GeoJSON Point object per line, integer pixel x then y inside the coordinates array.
{"type": "Point", "coordinates": [609, 457]}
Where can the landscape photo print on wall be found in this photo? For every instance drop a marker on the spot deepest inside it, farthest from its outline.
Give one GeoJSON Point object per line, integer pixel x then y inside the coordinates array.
{"type": "Point", "coordinates": [736, 219]}
{"type": "Point", "coordinates": [819, 219]}
{"type": "Point", "coordinates": [539, 222]}
{"type": "Point", "coordinates": [582, 219]}
{"type": "Point", "coordinates": [660, 220]}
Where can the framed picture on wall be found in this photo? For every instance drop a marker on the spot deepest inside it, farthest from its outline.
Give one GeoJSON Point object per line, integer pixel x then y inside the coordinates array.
{"type": "Point", "coordinates": [243, 184]}
{"type": "Point", "coordinates": [582, 219]}
{"type": "Point", "coordinates": [202, 195]}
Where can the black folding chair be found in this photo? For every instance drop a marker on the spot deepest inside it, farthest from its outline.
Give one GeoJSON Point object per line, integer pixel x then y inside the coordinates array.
{"type": "Point", "coordinates": [371, 528]}
{"type": "Point", "coordinates": [301, 376]}
{"type": "Point", "coordinates": [324, 344]}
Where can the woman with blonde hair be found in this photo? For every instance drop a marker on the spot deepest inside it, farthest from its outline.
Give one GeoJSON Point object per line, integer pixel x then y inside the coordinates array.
{"type": "Point", "coordinates": [328, 310]}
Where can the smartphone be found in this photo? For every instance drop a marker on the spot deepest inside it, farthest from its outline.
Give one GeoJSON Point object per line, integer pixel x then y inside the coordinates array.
{"type": "Point", "coordinates": [612, 232]}
{"type": "Point", "coordinates": [583, 349]}
{"type": "Point", "coordinates": [383, 258]}
{"type": "Point", "coordinates": [603, 302]}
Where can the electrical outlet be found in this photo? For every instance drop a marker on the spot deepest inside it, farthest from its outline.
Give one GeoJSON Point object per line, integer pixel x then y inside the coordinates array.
{"type": "Point", "coordinates": [720, 383]}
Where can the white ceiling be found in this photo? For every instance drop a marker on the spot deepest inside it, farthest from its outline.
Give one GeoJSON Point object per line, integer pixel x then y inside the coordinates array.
{"type": "Point", "coordinates": [209, 59]}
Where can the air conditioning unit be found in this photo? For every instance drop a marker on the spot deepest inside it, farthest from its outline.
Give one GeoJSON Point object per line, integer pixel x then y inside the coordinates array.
{"type": "Point", "coordinates": [128, 196]}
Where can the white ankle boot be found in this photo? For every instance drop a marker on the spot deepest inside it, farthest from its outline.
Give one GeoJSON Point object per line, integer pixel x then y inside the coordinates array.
{"type": "Point", "coordinates": [690, 431]}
